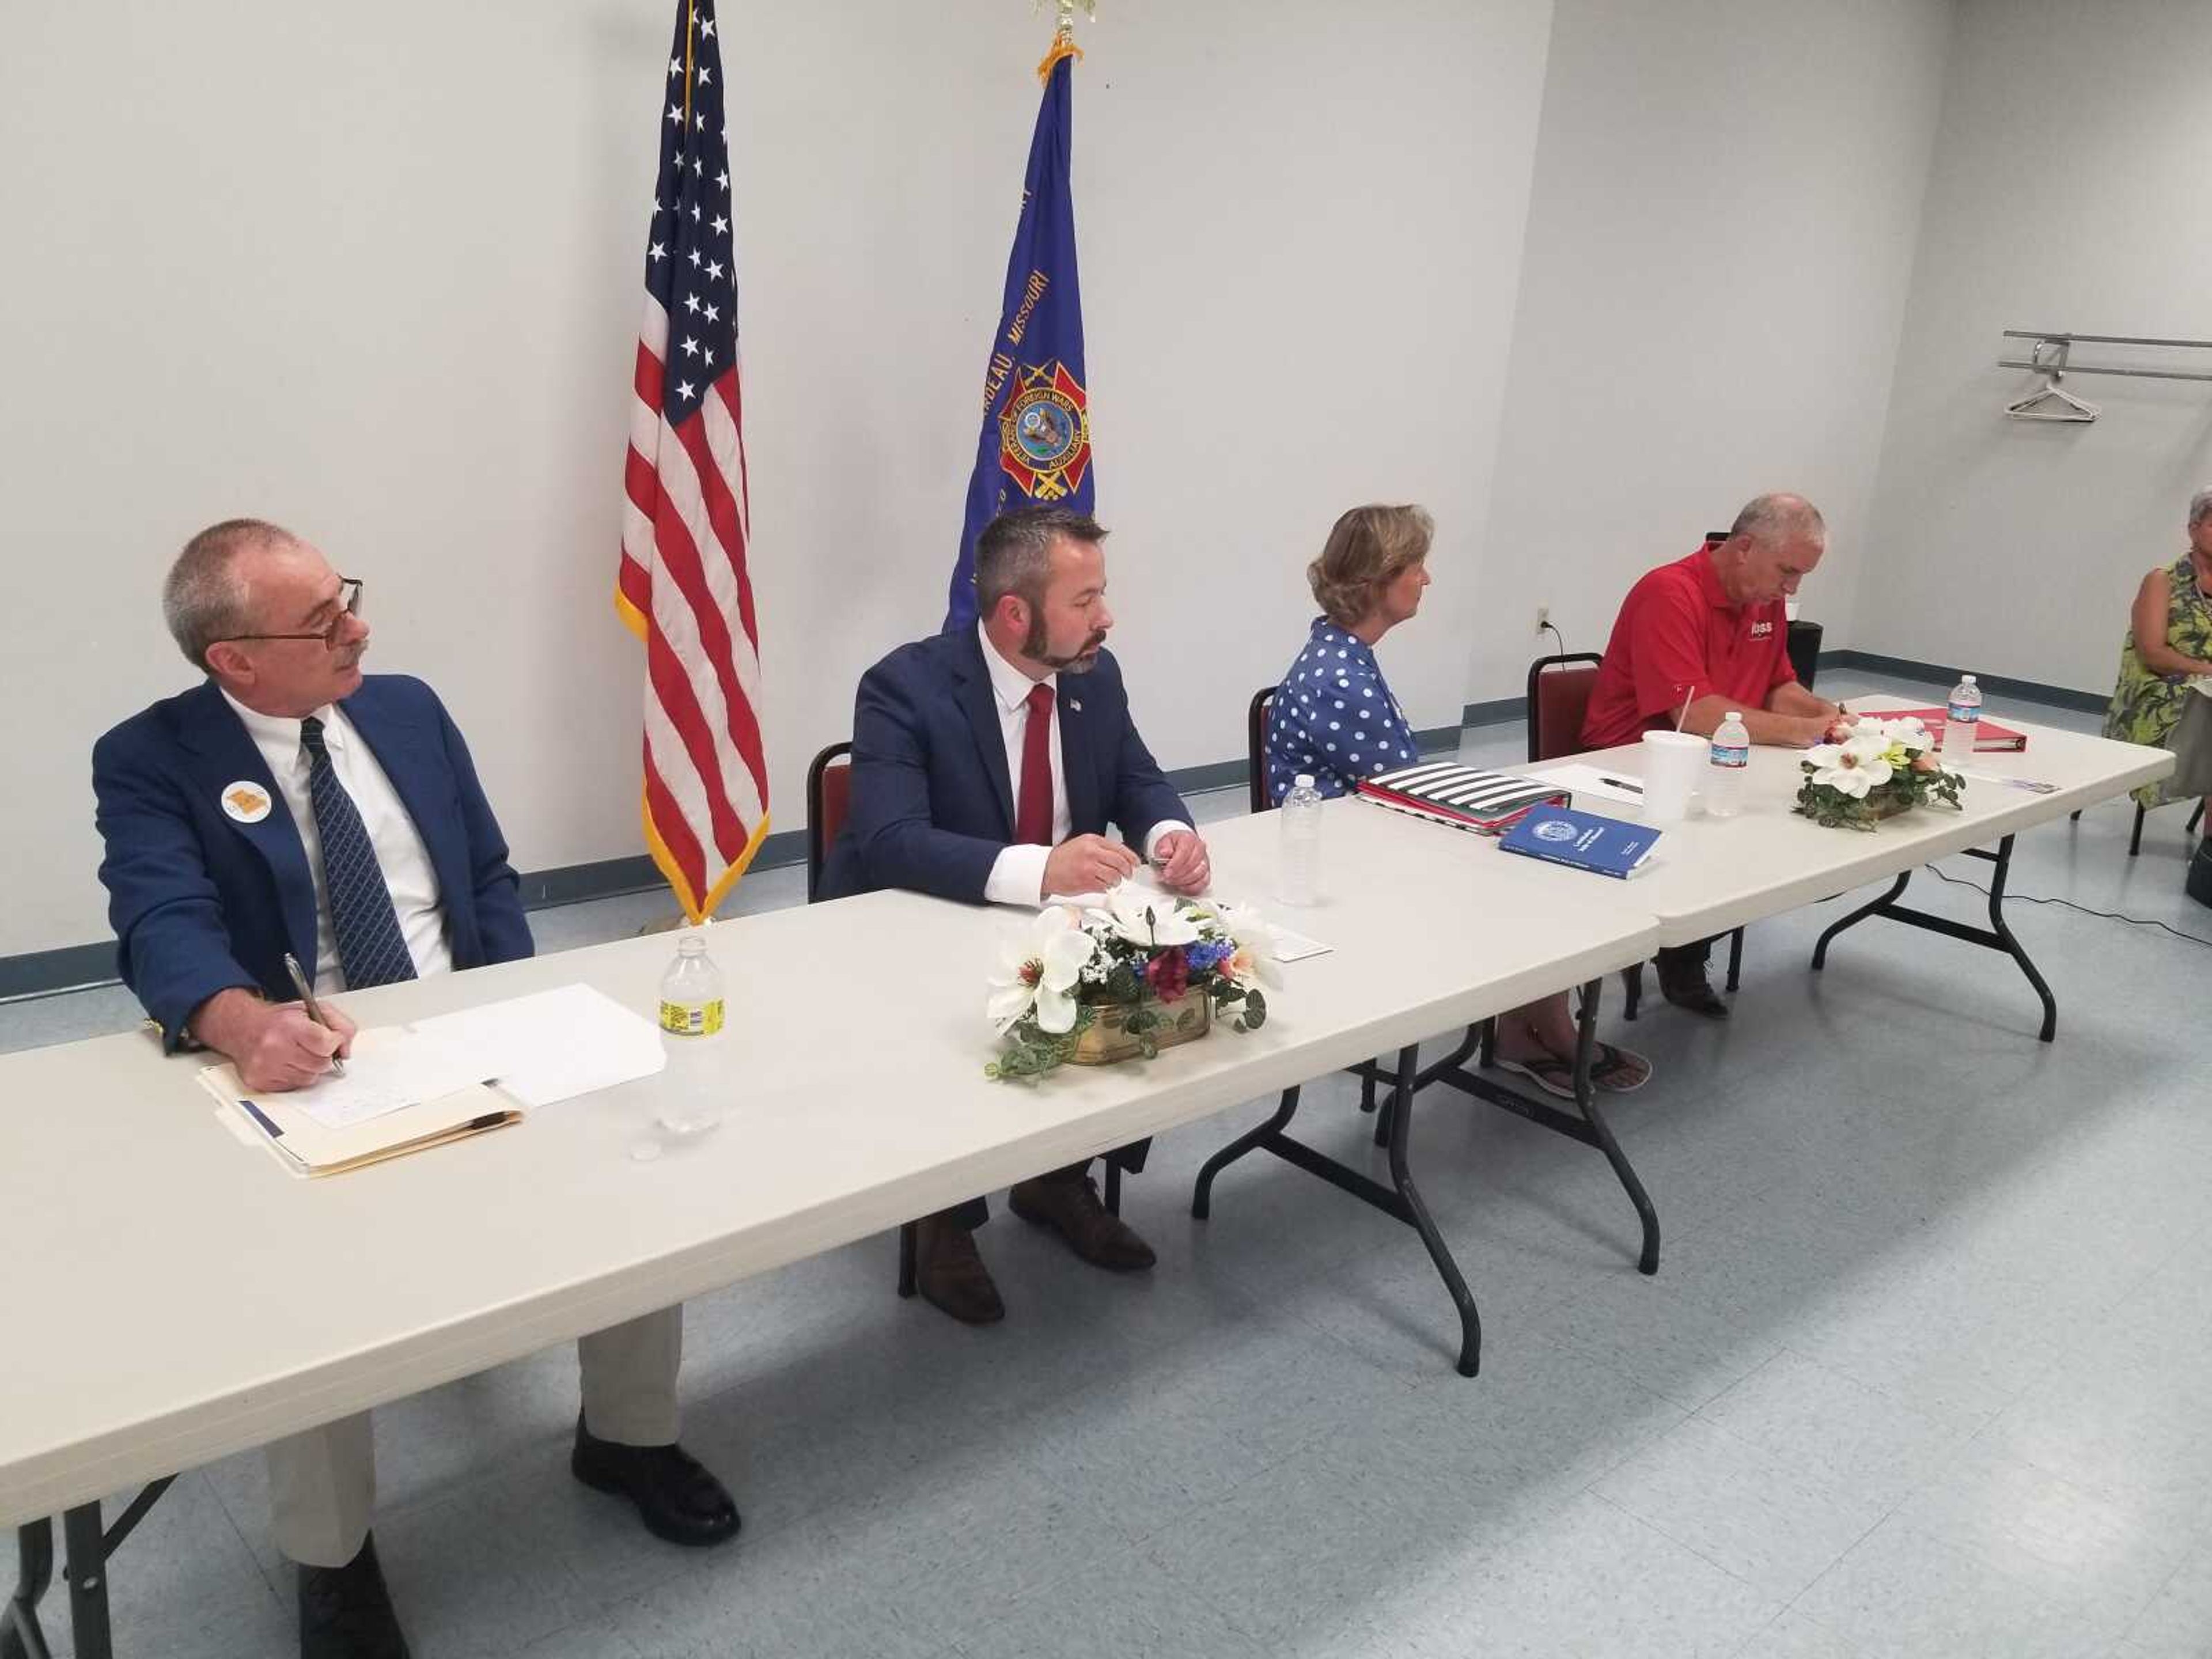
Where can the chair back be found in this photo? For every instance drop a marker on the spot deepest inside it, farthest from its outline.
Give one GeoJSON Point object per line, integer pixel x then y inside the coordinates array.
{"type": "Point", "coordinates": [1558, 691]}
{"type": "Point", "coordinates": [1255, 745]}
{"type": "Point", "coordinates": [828, 793]}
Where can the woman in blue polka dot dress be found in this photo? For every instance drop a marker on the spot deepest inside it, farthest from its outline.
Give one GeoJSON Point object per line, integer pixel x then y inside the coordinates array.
{"type": "Point", "coordinates": [1333, 719]}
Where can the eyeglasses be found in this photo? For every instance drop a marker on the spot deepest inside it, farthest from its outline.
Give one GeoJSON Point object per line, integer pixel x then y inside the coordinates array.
{"type": "Point", "coordinates": [348, 605]}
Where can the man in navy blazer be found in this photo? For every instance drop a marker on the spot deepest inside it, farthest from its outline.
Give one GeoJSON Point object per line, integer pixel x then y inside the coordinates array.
{"type": "Point", "coordinates": [290, 804]}
{"type": "Point", "coordinates": [987, 763]}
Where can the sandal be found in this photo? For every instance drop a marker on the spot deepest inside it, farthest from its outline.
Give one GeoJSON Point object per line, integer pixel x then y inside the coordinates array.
{"type": "Point", "coordinates": [1615, 1070]}
{"type": "Point", "coordinates": [1549, 1072]}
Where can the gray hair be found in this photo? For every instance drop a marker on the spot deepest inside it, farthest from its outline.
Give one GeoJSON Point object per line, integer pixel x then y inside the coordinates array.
{"type": "Point", "coordinates": [1779, 517]}
{"type": "Point", "coordinates": [2200, 506]}
{"type": "Point", "coordinates": [204, 600]}
{"type": "Point", "coordinates": [1013, 554]}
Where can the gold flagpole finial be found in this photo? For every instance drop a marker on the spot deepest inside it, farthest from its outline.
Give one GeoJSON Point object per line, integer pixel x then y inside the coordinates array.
{"type": "Point", "coordinates": [1063, 33]}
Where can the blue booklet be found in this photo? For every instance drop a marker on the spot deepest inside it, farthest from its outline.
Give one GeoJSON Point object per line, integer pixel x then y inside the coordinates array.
{"type": "Point", "coordinates": [1582, 840]}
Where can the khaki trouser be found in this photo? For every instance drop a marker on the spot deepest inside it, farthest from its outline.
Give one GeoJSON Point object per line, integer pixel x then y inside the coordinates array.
{"type": "Point", "coordinates": [322, 1484]}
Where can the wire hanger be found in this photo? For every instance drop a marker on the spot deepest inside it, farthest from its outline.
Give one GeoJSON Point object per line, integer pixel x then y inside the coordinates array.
{"type": "Point", "coordinates": [2052, 402]}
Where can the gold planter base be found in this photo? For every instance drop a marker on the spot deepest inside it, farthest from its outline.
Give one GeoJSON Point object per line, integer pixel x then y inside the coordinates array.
{"type": "Point", "coordinates": [1105, 1042]}
{"type": "Point", "coordinates": [1886, 806]}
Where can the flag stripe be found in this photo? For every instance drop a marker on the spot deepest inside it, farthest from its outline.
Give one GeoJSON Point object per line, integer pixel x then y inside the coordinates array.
{"type": "Point", "coordinates": [693, 561]}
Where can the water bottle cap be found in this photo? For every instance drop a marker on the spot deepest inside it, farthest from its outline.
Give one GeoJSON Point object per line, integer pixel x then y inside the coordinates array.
{"type": "Point", "coordinates": [692, 945]}
{"type": "Point", "coordinates": [1735, 715]}
{"type": "Point", "coordinates": [1965, 679]}
{"type": "Point", "coordinates": [1304, 780]}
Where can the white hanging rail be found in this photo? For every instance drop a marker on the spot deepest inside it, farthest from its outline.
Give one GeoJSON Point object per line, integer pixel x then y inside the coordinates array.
{"type": "Point", "coordinates": [2036, 362]}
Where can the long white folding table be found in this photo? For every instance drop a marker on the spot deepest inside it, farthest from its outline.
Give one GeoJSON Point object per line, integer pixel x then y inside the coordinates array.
{"type": "Point", "coordinates": [177, 1297]}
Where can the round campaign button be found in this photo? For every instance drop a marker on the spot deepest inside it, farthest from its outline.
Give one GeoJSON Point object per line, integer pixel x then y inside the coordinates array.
{"type": "Point", "coordinates": [245, 801]}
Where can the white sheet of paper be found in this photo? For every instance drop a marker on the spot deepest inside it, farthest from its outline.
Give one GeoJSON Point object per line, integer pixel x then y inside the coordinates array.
{"type": "Point", "coordinates": [391, 1066]}
{"type": "Point", "coordinates": [2201, 685]}
{"type": "Point", "coordinates": [2033, 786]}
{"type": "Point", "coordinates": [1580, 778]}
{"type": "Point", "coordinates": [1296, 947]}
{"type": "Point", "coordinates": [554, 1045]}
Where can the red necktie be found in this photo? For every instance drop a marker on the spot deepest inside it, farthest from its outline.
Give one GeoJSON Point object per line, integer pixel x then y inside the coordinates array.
{"type": "Point", "coordinates": [1033, 804]}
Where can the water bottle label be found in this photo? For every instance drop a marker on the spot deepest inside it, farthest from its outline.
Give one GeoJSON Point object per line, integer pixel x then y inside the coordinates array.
{"type": "Point", "coordinates": [692, 1019]}
{"type": "Point", "coordinates": [1965, 713]}
{"type": "Point", "coordinates": [1731, 755]}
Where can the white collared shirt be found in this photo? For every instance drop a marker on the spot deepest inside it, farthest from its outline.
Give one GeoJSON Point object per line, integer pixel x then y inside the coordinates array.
{"type": "Point", "coordinates": [400, 853]}
{"type": "Point", "coordinates": [1018, 874]}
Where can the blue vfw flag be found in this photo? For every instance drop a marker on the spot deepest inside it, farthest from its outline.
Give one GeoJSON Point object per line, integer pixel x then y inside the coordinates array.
{"type": "Point", "coordinates": [1035, 445]}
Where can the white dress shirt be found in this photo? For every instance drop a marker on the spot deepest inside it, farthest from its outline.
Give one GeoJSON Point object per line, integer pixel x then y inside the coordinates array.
{"type": "Point", "coordinates": [1018, 874]}
{"type": "Point", "coordinates": [399, 850]}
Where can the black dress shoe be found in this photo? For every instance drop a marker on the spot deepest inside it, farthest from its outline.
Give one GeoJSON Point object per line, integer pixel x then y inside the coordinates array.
{"type": "Point", "coordinates": [345, 1613]}
{"type": "Point", "coordinates": [676, 1496]}
{"type": "Point", "coordinates": [1686, 986]}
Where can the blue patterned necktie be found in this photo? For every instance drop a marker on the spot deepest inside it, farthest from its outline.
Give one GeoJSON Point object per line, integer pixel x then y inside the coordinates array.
{"type": "Point", "coordinates": [371, 948]}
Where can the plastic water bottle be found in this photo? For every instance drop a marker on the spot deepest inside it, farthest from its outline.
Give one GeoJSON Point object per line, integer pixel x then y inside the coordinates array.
{"type": "Point", "coordinates": [1961, 721]}
{"type": "Point", "coordinates": [691, 1035]}
{"type": "Point", "coordinates": [1300, 880]}
{"type": "Point", "coordinates": [1728, 759]}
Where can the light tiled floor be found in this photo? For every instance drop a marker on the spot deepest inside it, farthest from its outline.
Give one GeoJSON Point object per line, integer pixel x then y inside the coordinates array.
{"type": "Point", "coordinates": [1923, 1372]}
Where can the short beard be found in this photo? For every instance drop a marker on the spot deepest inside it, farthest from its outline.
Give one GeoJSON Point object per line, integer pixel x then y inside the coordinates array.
{"type": "Point", "coordinates": [1034, 643]}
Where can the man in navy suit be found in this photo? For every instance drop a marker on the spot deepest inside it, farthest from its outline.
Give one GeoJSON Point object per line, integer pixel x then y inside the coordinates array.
{"type": "Point", "coordinates": [290, 804]}
{"type": "Point", "coordinates": [987, 764]}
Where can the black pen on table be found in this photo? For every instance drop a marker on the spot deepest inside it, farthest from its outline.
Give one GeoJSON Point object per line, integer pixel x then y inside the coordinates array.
{"type": "Point", "coordinates": [1629, 784]}
{"type": "Point", "coordinates": [308, 1001]}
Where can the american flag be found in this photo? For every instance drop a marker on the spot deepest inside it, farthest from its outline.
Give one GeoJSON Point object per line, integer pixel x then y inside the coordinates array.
{"type": "Point", "coordinates": [683, 588]}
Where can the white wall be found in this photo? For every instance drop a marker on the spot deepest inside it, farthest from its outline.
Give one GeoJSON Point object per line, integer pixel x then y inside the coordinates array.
{"type": "Point", "coordinates": [2068, 193]}
{"type": "Point", "coordinates": [1726, 199]}
{"type": "Point", "coordinates": [373, 271]}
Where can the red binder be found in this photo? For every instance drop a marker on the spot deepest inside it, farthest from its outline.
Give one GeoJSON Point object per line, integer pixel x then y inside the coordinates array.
{"type": "Point", "coordinates": [1989, 737]}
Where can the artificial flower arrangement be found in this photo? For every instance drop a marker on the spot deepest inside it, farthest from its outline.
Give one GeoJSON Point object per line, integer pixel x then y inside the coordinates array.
{"type": "Point", "coordinates": [1140, 972]}
{"type": "Point", "coordinates": [1869, 769]}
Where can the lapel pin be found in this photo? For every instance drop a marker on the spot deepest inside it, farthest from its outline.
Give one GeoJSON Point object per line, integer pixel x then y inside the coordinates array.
{"type": "Point", "coordinates": [1075, 704]}
{"type": "Point", "coordinates": [247, 803]}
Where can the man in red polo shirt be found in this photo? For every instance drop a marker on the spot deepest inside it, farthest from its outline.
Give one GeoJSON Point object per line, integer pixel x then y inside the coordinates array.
{"type": "Point", "coordinates": [1712, 631]}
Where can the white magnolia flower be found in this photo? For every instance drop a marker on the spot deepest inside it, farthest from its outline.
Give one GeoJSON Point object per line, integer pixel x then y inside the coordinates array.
{"type": "Point", "coordinates": [1038, 968]}
{"type": "Point", "coordinates": [1909, 734]}
{"type": "Point", "coordinates": [1253, 960]}
{"type": "Point", "coordinates": [1146, 918]}
{"type": "Point", "coordinates": [1853, 768]}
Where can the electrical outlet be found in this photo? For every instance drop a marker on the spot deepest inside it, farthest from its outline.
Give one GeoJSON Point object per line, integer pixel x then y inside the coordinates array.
{"type": "Point", "coordinates": [1543, 617]}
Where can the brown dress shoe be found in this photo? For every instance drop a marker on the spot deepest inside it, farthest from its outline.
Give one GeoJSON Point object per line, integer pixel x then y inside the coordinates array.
{"type": "Point", "coordinates": [1071, 1209]}
{"type": "Point", "coordinates": [950, 1273]}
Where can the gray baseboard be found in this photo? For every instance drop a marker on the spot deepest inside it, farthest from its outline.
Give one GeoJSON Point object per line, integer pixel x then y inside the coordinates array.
{"type": "Point", "coordinates": [71, 968]}
{"type": "Point", "coordinates": [2058, 696]}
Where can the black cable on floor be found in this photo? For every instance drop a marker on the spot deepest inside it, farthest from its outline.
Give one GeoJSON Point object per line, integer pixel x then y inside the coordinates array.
{"type": "Point", "coordinates": [2069, 904]}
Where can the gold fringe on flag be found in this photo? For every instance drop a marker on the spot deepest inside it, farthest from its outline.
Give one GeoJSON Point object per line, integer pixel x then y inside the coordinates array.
{"type": "Point", "coordinates": [1063, 33]}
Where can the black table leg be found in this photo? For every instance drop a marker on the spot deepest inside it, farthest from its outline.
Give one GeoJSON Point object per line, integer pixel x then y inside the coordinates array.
{"type": "Point", "coordinates": [1417, 1213]}
{"type": "Point", "coordinates": [1997, 936]}
{"type": "Point", "coordinates": [1589, 1127]}
{"type": "Point", "coordinates": [20, 1638]}
{"type": "Point", "coordinates": [87, 1569]}
{"type": "Point", "coordinates": [1400, 1199]}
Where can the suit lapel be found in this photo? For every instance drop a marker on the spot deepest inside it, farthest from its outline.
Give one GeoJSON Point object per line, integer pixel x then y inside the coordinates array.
{"type": "Point", "coordinates": [1085, 815]}
{"type": "Point", "coordinates": [221, 754]}
{"type": "Point", "coordinates": [981, 705]}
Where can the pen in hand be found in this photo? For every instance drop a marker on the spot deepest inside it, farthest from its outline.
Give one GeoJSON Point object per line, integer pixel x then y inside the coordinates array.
{"type": "Point", "coordinates": [308, 1001]}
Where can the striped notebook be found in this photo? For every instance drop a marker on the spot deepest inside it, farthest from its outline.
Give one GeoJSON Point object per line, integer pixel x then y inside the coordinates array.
{"type": "Point", "coordinates": [1488, 803]}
